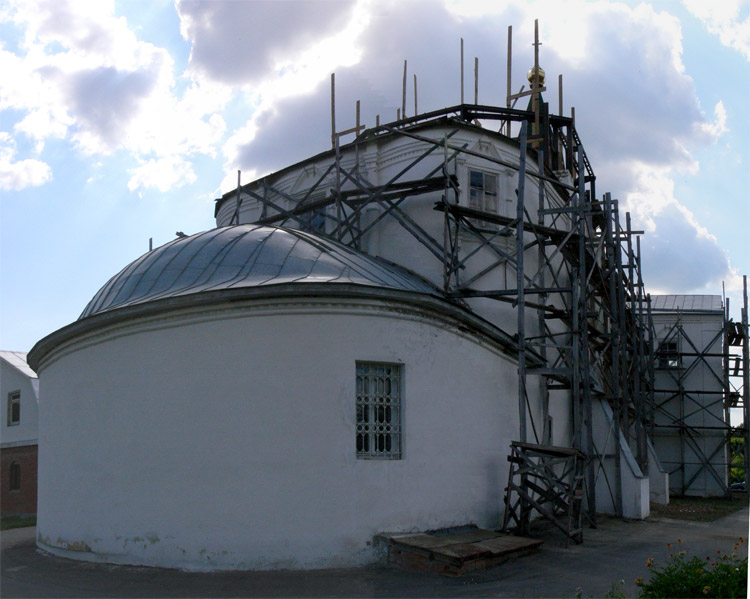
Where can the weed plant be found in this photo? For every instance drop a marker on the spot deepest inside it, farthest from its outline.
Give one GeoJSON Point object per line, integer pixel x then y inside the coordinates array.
{"type": "Point", "coordinates": [8, 522]}
{"type": "Point", "coordinates": [721, 575]}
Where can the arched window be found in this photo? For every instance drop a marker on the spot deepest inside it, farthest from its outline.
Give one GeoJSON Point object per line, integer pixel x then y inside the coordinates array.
{"type": "Point", "coordinates": [15, 477]}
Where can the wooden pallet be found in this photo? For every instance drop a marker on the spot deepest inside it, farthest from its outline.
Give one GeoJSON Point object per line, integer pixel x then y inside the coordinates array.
{"type": "Point", "coordinates": [456, 553]}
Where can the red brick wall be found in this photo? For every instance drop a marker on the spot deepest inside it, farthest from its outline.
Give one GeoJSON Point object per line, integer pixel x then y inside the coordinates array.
{"type": "Point", "coordinates": [22, 501]}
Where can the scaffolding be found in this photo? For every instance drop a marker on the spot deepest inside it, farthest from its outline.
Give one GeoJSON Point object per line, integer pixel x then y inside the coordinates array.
{"type": "Point", "coordinates": [584, 327]}
{"type": "Point", "coordinates": [700, 378]}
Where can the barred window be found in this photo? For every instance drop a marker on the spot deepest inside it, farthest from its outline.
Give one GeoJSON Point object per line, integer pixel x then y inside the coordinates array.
{"type": "Point", "coordinates": [379, 387]}
{"type": "Point", "coordinates": [669, 355]}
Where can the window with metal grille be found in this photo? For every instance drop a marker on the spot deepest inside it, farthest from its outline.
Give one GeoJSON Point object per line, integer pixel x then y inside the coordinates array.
{"type": "Point", "coordinates": [14, 407]}
{"type": "Point", "coordinates": [669, 355]}
{"type": "Point", "coordinates": [15, 477]}
{"type": "Point", "coordinates": [379, 387]}
{"type": "Point", "coordinates": [483, 196]}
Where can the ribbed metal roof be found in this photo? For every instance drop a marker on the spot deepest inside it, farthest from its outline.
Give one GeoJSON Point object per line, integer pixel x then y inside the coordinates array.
{"type": "Point", "coordinates": [246, 256]}
{"type": "Point", "coordinates": [686, 303]}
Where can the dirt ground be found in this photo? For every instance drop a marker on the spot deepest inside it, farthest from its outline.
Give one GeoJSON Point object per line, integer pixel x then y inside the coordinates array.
{"type": "Point", "coordinates": [700, 509]}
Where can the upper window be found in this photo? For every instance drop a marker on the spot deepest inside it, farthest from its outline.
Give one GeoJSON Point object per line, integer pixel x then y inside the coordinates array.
{"type": "Point", "coordinates": [379, 387]}
{"type": "Point", "coordinates": [315, 220]}
{"type": "Point", "coordinates": [15, 477]}
{"type": "Point", "coordinates": [483, 195]}
{"type": "Point", "coordinates": [14, 407]}
{"type": "Point", "coordinates": [669, 355]}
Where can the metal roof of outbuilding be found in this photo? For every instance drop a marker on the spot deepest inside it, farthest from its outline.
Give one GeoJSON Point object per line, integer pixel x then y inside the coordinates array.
{"type": "Point", "coordinates": [687, 303]}
{"type": "Point", "coordinates": [17, 359]}
{"type": "Point", "coordinates": [247, 256]}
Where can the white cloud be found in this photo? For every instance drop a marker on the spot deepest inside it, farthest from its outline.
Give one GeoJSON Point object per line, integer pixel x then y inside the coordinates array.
{"type": "Point", "coordinates": [682, 255]}
{"type": "Point", "coordinates": [163, 174]}
{"type": "Point", "coordinates": [726, 20]}
{"type": "Point", "coordinates": [242, 42]}
{"type": "Point", "coordinates": [719, 126]}
{"type": "Point", "coordinates": [81, 74]}
{"type": "Point", "coordinates": [22, 173]}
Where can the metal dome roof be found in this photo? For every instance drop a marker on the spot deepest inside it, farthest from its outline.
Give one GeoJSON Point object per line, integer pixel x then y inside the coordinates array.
{"type": "Point", "coordinates": [246, 256]}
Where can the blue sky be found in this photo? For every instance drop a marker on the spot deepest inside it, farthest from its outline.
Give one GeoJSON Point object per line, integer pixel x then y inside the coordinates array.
{"type": "Point", "coordinates": [122, 121]}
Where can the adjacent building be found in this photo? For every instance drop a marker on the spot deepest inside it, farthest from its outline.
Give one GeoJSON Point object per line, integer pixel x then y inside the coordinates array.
{"type": "Point", "coordinates": [19, 389]}
{"type": "Point", "coordinates": [692, 395]}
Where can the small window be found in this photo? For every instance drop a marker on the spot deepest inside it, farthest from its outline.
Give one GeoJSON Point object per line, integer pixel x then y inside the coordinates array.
{"type": "Point", "coordinates": [14, 408]}
{"type": "Point", "coordinates": [483, 196]}
{"type": "Point", "coordinates": [379, 387]}
{"type": "Point", "coordinates": [669, 355]}
{"type": "Point", "coordinates": [315, 220]}
{"type": "Point", "coordinates": [15, 477]}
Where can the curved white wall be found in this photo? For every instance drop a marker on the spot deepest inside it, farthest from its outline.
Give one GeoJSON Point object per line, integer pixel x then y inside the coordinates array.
{"type": "Point", "coordinates": [224, 437]}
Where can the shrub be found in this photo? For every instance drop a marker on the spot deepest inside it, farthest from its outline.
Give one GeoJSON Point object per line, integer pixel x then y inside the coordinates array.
{"type": "Point", "coordinates": [720, 575]}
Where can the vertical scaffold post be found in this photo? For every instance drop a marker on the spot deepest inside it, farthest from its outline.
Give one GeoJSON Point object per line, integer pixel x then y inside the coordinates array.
{"type": "Point", "coordinates": [642, 357]}
{"type": "Point", "coordinates": [613, 269]}
{"type": "Point", "coordinates": [403, 95]}
{"type": "Point", "coordinates": [651, 375]}
{"type": "Point", "coordinates": [462, 70]}
{"type": "Point", "coordinates": [584, 363]}
{"type": "Point", "coordinates": [541, 321]}
{"type": "Point", "coordinates": [634, 344]}
{"type": "Point", "coordinates": [726, 391]}
{"type": "Point", "coordinates": [745, 377]}
{"type": "Point", "coordinates": [507, 87]}
{"type": "Point", "coordinates": [333, 110]}
{"type": "Point", "coordinates": [338, 189]}
{"type": "Point", "coordinates": [521, 302]}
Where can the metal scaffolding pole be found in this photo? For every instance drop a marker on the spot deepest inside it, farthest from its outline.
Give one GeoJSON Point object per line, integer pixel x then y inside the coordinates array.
{"type": "Point", "coordinates": [745, 378]}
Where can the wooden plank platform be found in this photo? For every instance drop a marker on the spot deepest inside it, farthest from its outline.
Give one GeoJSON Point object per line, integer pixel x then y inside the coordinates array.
{"type": "Point", "coordinates": [455, 553]}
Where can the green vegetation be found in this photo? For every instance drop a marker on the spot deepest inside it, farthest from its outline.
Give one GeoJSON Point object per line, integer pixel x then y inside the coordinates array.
{"type": "Point", "coordinates": [737, 460]}
{"type": "Point", "coordinates": [8, 522]}
{"type": "Point", "coordinates": [719, 575]}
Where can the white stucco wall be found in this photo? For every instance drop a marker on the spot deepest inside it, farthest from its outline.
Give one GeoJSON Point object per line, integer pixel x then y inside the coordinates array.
{"type": "Point", "coordinates": [702, 411]}
{"type": "Point", "coordinates": [226, 438]}
{"type": "Point", "coordinates": [658, 477]}
{"type": "Point", "coordinates": [26, 431]}
{"type": "Point", "coordinates": [633, 484]}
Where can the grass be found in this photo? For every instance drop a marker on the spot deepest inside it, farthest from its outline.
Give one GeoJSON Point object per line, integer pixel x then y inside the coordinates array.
{"type": "Point", "coordinates": [700, 509]}
{"type": "Point", "coordinates": [8, 522]}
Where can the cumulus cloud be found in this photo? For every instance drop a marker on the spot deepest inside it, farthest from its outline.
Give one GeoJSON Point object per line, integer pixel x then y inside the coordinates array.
{"type": "Point", "coordinates": [719, 126]}
{"type": "Point", "coordinates": [105, 100]}
{"type": "Point", "coordinates": [80, 73]}
{"type": "Point", "coordinates": [725, 19]}
{"type": "Point", "coordinates": [241, 42]}
{"type": "Point", "coordinates": [682, 255]}
{"type": "Point", "coordinates": [20, 174]}
{"type": "Point", "coordinates": [162, 174]}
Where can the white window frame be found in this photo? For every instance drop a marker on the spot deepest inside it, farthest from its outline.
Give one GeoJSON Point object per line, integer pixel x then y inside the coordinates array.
{"type": "Point", "coordinates": [379, 410]}
{"type": "Point", "coordinates": [14, 399]}
{"type": "Point", "coordinates": [480, 198]}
